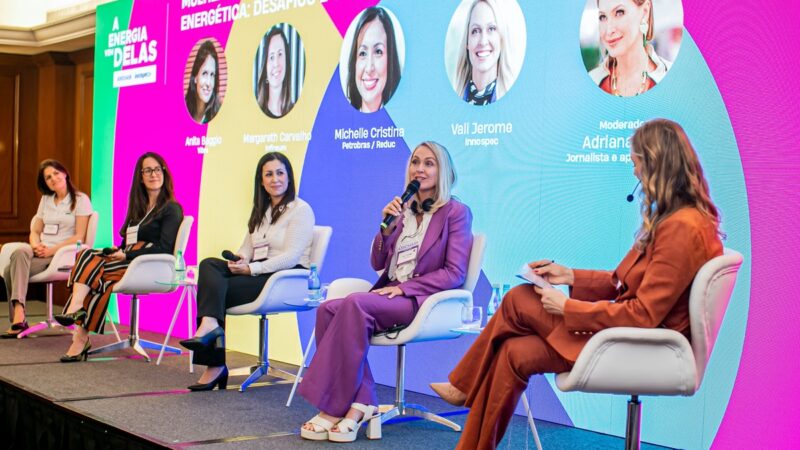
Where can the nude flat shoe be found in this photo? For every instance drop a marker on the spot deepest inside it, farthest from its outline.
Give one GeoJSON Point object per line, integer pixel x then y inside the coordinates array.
{"type": "Point", "coordinates": [449, 393]}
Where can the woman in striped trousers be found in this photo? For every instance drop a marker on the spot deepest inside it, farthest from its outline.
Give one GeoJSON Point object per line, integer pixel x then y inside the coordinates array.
{"type": "Point", "coordinates": [151, 226]}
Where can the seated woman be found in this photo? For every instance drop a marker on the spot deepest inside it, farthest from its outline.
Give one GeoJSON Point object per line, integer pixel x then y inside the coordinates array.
{"type": "Point", "coordinates": [541, 330]}
{"type": "Point", "coordinates": [61, 220]}
{"type": "Point", "coordinates": [151, 226]}
{"type": "Point", "coordinates": [279, 235]}
{"type": "Point", "coordinates": [423, 252]}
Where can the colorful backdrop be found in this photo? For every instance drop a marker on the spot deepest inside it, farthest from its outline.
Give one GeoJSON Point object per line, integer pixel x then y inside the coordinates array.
{"type": "Point", "coordinates": [542, 169]}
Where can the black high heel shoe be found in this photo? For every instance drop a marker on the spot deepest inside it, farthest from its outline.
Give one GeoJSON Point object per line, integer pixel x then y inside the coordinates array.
{"type": "Point", "coordinates": [82, 356]}
{"type": "Point", "coordinates": [70, 319]}
{"type": "Point", "coordinates": [221, 381]}
{"type": "Point", "coordinates": [213, 339]}
{"type": "Point", "coordinates": [16, 329]}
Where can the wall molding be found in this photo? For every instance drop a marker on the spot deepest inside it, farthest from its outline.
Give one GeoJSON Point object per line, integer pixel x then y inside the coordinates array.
{"type": "Point", "coordinates": [63, 35]}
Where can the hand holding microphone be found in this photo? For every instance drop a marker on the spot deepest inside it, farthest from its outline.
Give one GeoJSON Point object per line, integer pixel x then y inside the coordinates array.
{"type": "Point", "coordinates": [230, 256]}
{"type": "Point", "coordinates": [395, 207]}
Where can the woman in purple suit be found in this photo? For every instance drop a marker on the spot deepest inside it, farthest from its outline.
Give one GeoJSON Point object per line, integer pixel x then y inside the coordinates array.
{"type": "Point", "coordinates": [424, 251]}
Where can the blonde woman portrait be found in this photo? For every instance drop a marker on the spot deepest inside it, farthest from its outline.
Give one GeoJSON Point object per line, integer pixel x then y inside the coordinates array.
{"type": "Point", "coordinates": [484, 49]}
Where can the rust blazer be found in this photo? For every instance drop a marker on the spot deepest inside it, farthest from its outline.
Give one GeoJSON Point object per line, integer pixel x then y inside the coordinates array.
{"type": "Point", "coordinates": [648, 289]}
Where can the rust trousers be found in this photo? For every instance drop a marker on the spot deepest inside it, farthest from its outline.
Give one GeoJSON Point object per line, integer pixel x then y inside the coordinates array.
{"type": "Point", "coordinates": [495, 370]}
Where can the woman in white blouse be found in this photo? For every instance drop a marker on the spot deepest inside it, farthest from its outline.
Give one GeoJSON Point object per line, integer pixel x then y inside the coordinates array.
{"type": "Point", "coordinates": [61, 220]}
{"type": "Point", "coordinates": [280, 231]}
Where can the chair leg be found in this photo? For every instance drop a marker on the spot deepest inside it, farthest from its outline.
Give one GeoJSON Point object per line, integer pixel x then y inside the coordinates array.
{"type": "Point", "coordinates": [49, 321]}
{"type": "Point", "coordinates": [302, 367]}
{"type": "Point", "coordinates": [262, 368]}
{"type": "Point", "coordinates": [171, 325]}
{"type": "Point", "coordinates": [133, 341]}
{"type": "Point", "coordinates": [531, 422]}
{"type": "Point", "coordinates": [110, 321]}
{"type": "Point", "coordinates": [633, 428]}
{"type": "Point", "coordinates": [400, 409]}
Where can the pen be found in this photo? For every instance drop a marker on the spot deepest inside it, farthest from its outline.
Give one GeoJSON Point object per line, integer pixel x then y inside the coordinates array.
{"type": "Point", "coordinates": [545, 264]}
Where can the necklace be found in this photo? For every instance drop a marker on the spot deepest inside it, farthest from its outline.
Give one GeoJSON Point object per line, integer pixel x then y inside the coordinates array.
{"type": "Point", "coordinates": [614, 89]}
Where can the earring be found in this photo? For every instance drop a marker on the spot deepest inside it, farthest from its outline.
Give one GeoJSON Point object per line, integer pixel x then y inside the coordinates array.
{"type": "Point", "coordinates": [643, 27]}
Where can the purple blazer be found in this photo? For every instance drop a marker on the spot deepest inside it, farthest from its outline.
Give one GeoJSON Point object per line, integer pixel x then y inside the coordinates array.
{"type": "Point", "coordinates": [443, 256]}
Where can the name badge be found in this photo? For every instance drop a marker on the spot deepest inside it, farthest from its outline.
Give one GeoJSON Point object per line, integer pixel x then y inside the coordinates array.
{"type": "Point", "coordinates": [260, 252]}
{"type": "Point", "coordinates": [407, 256]}
{"type": "Point", "coordinates": [50, 229]}
{"type": "Point", "coordinates": [132, 235]}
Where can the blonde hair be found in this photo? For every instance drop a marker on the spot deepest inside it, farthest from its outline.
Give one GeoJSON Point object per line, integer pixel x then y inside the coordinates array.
{"type": "Point", "coordinates": [464, 67]}
{"type": "Point", "coordinates": [447, 173]}
{"type": "Point", "coordinates": [671, 175]}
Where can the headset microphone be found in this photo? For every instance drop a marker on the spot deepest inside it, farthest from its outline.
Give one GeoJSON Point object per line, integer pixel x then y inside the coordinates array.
{"type": "Point", "coordinates": [629, 198]}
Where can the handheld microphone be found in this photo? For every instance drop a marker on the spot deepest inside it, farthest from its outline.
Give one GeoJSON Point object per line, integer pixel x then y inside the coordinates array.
{"type": "Point", "coordinates": [411, 189]}
{"type": "Point", "coordinates": [109, 251]}
{"type": "Point", "coordinates": [230, 256]}
{"type": "Point", "coordinates": [629, 198]}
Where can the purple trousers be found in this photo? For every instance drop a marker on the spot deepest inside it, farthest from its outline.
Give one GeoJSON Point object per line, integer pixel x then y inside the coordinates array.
{"type": "Point", "coordinates": [339, 374]}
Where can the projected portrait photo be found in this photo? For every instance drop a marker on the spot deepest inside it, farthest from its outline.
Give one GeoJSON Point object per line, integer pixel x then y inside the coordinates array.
{"type": "Point", "coordinates": [205, 79]}
{"type": "Point", "coordinates": [279, 70]}
{"type": "Point", "coordinates": [484, 49]}
{"type": "Point", "coordinates": [628, 46]}
{"type": "Point", "coordinates": [371, 60]}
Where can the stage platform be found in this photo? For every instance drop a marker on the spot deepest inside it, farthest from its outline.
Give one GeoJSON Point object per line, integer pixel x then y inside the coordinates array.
{"type": "Point", "coordinates": [123, 402]}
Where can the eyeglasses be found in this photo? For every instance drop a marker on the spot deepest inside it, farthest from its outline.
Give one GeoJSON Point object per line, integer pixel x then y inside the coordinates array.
{"type": "Point", "coordinates": [152, 171]}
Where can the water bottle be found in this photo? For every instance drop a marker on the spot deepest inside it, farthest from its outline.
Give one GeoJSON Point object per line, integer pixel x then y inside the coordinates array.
{"type": "Point", "coordinates": [313, 284]}
{"type": "Point", "coordinates": [494, 301]}
{"type": "Point", "coordinates": [506, 288]}
{"type": "Point", "coordinates": [180, 267]}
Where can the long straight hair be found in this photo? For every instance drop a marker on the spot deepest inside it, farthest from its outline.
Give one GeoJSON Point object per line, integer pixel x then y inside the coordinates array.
{"type": "Point", "coordinates": [262, 200]}
{"type": "Point", "coordinates": [671, 175]}
{"type": "Point", "coordinates": [263, 87]}
{"type": "Point", "coordinates": [45, 189]}
{"type": "Point", "coordinates": [464, 67]}
{"type": "Point", "coordinates": [138, 200]}
{"type": "Point", "coordinates": [212, 107]}
{"type": "Point", "coordinates": [447, 173]}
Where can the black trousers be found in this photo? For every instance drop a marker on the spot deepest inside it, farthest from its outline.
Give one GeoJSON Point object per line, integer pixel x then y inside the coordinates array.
{"type": "Point", "coordinates": [217, 290]}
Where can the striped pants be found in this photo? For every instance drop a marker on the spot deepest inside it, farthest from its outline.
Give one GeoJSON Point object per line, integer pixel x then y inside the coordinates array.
{"type": "Point", "coordinates": [94, 270]}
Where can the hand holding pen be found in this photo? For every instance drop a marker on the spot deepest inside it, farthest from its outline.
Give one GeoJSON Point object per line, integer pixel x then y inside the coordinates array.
{"type": "Point", "coordinates": [552, 272]}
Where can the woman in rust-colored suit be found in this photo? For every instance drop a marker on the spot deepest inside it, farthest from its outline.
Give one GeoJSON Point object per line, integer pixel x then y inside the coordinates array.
{"type": "Point", "coordinates": [541, 330]}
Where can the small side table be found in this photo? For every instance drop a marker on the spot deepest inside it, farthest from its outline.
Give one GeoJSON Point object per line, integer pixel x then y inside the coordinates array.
{"type": "Point", "coordinates": [476, 331]}
{"type": "Point", "coordinates": [188, 288]}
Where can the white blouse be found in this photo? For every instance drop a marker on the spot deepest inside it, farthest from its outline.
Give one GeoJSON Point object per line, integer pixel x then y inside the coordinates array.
{"type": "Point", "coordinates": [404, 259]}
{"type": "Point", "coordinates": [59, 220]}
{"type": "Point", "coordinates": [287, 241]}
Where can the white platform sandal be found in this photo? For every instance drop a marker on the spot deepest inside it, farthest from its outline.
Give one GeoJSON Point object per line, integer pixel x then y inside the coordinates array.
{"type": "Point", "coordinates": [348, 428]}
{"type": "Point", "coordinates": [321, 428]}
